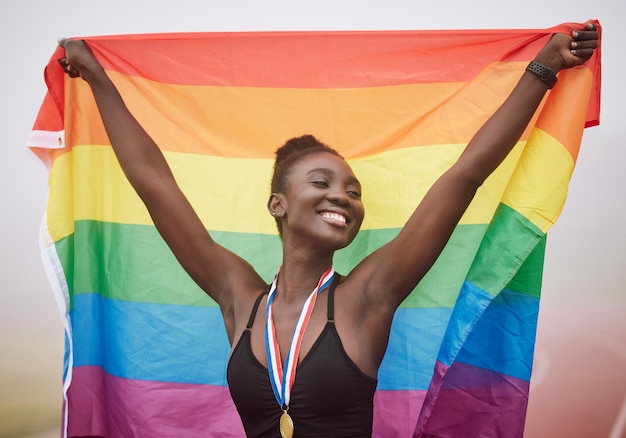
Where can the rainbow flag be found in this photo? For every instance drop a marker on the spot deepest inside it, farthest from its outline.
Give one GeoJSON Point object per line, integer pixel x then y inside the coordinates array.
{"type": "Point", "coordinates": [146, 348]}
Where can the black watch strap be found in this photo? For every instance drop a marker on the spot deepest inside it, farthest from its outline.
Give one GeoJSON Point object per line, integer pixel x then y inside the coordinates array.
{"type": "Point", "coordinates": [546, 74]}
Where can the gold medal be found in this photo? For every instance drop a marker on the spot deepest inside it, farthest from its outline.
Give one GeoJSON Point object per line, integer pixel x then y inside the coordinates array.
{"type": "Point", "coordinates": [286, 425]}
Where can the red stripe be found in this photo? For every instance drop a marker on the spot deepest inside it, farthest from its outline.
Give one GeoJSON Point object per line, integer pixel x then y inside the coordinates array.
{"type": "Point", "coordinates": [316, 59]}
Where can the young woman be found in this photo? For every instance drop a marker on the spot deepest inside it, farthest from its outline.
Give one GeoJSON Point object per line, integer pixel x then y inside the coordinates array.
{"type": "Point", "coordinates": [316, 201]}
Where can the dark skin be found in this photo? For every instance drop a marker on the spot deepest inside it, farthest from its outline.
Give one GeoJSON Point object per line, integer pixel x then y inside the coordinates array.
{"type": "Point", "coordinates": [320, 212]}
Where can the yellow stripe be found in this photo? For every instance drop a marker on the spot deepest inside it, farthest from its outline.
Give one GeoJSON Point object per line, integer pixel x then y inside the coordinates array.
{"type": "Point", "coordinates": [538, 187]}
{"type": "Point", "coordinates": [89, 184]}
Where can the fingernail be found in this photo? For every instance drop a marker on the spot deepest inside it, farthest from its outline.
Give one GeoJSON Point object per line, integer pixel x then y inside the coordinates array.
{"type": "Point", "coordinates": [575, 34]}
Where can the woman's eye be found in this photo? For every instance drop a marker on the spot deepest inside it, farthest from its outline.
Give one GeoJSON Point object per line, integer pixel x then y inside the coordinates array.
{"type": "Point", "coordinates": [320, 183]}
{"type": "Point", "coordinates": [354, 193]}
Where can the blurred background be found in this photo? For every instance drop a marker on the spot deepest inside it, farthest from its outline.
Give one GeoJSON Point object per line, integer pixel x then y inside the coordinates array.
{"type": "Point", "coordinates": [578, 387]}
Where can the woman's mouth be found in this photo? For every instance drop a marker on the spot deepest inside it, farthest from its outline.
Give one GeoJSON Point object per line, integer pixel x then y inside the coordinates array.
{"type": "Point", "coordinates": [336, 218]}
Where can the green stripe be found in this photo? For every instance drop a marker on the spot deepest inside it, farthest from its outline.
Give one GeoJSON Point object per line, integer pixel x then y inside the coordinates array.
{"type": "Point", "coordinates": [530, 275]}
{"type": "Point", "coordinates": [508, 242]}
{"type": "Point", "coordinates": [441, 285]}
{"type": "Point", "coordinates": [132, 262]}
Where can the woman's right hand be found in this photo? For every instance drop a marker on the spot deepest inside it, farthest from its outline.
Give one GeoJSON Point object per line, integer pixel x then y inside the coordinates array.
{"type": "Point", "coordinates": [79, 60]}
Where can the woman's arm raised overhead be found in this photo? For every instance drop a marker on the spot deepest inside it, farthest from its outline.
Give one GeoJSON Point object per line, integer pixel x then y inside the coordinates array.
{"type": "Point", "coordinates": [397, 267]}
{"type": "Point", "coordinates": [217, 271]}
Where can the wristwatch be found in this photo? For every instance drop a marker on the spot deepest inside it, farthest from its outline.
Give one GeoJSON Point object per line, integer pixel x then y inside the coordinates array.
{"type": "Point", "coordinates": [546, 74]}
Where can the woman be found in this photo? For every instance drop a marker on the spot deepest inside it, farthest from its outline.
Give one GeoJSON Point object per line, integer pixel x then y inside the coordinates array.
{"type": "Point", "coordinates": [335, 343]}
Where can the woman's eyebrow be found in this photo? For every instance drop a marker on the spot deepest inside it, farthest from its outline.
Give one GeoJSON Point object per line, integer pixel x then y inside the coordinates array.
{"type": "Point", "coordinates": [329, 172]}
{"type": "Point", "coordinates": [354, 180]}
{"type": "Point", "coordinates": [323, 170]}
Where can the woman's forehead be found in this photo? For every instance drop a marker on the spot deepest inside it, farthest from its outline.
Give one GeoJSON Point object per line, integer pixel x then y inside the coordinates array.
{"type": "Point", "coordinates": [325, 163]}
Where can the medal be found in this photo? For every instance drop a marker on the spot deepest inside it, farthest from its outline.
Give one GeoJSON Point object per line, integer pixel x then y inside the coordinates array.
{"type": "Point", "coordinates": [286, 425]}
{"type": "Point", "coordinates": [282, 378]}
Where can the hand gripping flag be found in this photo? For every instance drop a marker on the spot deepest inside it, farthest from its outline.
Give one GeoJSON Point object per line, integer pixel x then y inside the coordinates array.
{"type": "Point", "coordinates": [146, 350]}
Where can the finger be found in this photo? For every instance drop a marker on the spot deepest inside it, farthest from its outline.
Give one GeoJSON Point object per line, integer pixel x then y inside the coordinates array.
{"type": "Point", "coordinates": [62, 42]}
{"type": "Point", "coordinates": [68, 68]}
{"type": "Point", "coordinates": [584, 35]}
{"type": "Point", "coordinates": [591, 44]}
{"type": "Point", "coordinates": [583, 49]}
{"type": "Point", "coordinates": [582, 53]}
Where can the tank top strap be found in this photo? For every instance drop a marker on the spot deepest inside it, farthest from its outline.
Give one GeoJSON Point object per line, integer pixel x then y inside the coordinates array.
{"type": "Point", "coordinates": [331, 298]}
{"type": "Point", "coordinates": [254, 309]}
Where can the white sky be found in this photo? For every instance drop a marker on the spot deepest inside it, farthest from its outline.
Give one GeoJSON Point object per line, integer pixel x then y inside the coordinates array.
{"type": "Point", "coordinates": [585, 253]}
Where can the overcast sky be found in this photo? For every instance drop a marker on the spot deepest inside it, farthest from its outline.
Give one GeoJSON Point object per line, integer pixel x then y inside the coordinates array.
{"type": "Point", "coordinates": [585, 255]}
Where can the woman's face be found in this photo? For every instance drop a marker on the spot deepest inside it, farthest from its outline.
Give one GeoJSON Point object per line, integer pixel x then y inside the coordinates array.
{"type": "Point", "coordinates": [322, 202]}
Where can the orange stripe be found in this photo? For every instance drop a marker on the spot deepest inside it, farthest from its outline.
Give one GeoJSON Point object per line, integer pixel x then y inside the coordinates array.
{"type": "Point", "coordinates": [236, 122]}
{"type": "Point", "coordinates": [566, 107]}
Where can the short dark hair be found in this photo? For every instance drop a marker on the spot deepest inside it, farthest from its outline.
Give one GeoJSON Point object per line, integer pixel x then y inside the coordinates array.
{"type": "Point", "coordinates": [293, 151]}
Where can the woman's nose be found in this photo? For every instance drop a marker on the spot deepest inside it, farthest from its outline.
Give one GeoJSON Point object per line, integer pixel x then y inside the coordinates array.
{"type": "Point", "coordinates": [339, 197]}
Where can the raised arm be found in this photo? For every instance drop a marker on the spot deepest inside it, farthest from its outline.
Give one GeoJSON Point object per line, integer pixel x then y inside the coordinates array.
{"type": "Point", "coordinates": [217, 271]}
{"type": "Point", "coordinates": [397, 267]}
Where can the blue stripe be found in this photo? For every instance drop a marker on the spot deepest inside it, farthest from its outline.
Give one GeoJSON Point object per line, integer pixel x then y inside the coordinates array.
{"type": "Point", "coordinates": [143, 341]}
{"type": "Point", "coordinates": [413, 346]}
{"type": "Point", "coordinates": [66, 357]}
{"type": "Point", "coordinates": [188, 344]}
{"type": "Point", "coordinates": [495, 333]}
{"type": "Point", "coordinates": [503, 339]}
{"type": "Point", "coordinates": [470, 305]}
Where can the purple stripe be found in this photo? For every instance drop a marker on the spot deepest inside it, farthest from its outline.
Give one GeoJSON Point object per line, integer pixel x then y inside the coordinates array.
{"type": "Point", "coordinates": [101, 404]}
{"type": "Point", "coordinates": [105, 405]}
{"type": "Point", "coordinates": [396, 412]}
{"type": "Point", "coordinates": [472, 401]}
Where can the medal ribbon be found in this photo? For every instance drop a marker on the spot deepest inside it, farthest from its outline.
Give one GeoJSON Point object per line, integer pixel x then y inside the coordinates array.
{"type": "Point", "coordinates": [282, 385]}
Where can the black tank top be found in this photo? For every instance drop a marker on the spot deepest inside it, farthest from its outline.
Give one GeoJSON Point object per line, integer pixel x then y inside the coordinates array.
{"type": "Point", "coordinates": [331, 397]}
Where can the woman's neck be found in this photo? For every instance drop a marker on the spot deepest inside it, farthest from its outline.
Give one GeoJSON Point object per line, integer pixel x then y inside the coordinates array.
{"type": "Point", "coordinates": [299, 275]}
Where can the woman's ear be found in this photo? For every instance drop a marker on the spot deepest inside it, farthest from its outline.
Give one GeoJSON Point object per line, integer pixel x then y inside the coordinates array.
{"type": "Point", "coordinates": [276, 205]}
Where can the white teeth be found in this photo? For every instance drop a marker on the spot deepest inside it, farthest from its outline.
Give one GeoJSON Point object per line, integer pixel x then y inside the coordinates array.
{"type": "Point", "coordinates": [334, 216]}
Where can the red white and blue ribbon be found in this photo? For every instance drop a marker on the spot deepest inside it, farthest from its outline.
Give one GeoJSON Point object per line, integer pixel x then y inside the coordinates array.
{"type": "Point", "coordinates": [282, 386]}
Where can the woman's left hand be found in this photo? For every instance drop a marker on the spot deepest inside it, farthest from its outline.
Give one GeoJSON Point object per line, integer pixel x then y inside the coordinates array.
{"type": "Point", "coordinates": [567, 51]}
